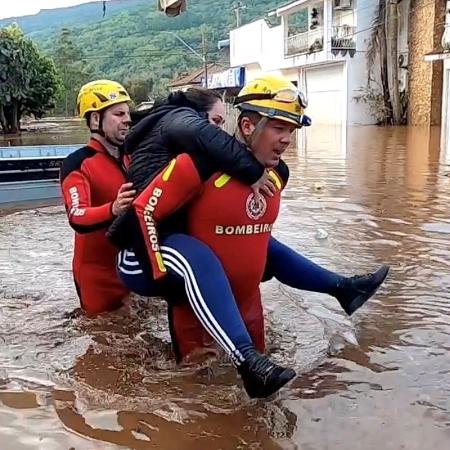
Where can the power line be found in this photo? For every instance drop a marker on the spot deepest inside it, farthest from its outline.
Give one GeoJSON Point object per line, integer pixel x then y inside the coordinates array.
{"type": "Point", "coordinates": [97, 56]}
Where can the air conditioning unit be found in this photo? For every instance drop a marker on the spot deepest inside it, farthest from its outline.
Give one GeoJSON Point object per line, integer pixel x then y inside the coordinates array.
{"type": "Point", "coordinates": [403, 60]}
{"type": "Point", "coordinates": [343, 4]}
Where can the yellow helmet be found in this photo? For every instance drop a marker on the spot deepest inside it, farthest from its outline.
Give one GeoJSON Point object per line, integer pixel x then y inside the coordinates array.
{"type": "Point", "coordinates": [100, 94]}
{"type": "Point", "coordinates": [274, 97]}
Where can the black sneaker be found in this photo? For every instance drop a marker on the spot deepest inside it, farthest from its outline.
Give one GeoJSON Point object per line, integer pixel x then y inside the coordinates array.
{"type": "Point", "coordinates": [261, 377]}
{"type": "Point", "coordinates": [353, 292]}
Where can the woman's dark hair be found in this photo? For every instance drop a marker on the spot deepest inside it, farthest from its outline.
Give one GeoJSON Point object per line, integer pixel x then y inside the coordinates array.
{"type": "Point", "coordinates": [137, 116]}
{"type": "Point", "coordinates": [199, 99]}
{"type": "Point", "coordinates": [202, 100]}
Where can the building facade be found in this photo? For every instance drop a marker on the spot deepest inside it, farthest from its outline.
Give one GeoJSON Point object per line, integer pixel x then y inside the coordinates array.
{"type": "Point", "coordinates": [425, 80]}
{"type": "Point", "coordinates": [438, 62]}
{"type": "Point", "coordinates": [320, 45]}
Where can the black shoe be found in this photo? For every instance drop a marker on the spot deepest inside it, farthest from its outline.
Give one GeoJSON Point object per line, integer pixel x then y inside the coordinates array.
{"type": "Point", "coordinates": [355, 291]}
{"type": "Point", "coordinates": [262, 377]}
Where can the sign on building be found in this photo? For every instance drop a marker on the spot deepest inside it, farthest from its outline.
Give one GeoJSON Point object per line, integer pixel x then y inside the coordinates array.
{"type": "Point", "coordinates": [234, 77]}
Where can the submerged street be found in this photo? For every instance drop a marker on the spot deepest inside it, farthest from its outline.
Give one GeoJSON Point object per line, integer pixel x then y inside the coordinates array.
{"type": "Point", "coordinates": [380, 379]}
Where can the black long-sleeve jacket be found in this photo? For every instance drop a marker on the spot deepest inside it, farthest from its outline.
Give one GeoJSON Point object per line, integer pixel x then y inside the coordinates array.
{"type": "Point", "coordinates": [166, 132]}
{"type": "Point", "coordinates": [170, 130]}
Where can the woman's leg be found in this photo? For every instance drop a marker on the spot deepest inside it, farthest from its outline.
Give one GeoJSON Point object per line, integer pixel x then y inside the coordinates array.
{"type": "Point", "coordinates": [294, 270]}
{"type": "Point", "coordinates": [134, 275]}
{"type": "Point", "coordinates": [212, 301]}
{"type": "Point", "coordinates": [207, 289]}
{"type": "Point", "coordinates": [208, 292]}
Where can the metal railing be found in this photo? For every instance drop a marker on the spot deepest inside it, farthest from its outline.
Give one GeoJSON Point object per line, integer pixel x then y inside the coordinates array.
{"type": "Point", "coordinates": [343, 37]}
{"type": "Point", "coordinates": [340, 5]}
{"type": "Point", "coordinates": [307, 42]}
{"type": "Point", "coordinates": [37, 151]}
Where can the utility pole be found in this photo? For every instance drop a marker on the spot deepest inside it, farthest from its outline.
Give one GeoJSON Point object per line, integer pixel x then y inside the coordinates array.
{"type": "Point", "coordinates": [65, 88]}
{"type": "Point", "coordinates": [204, 57]}
{"type": "Point", "coordinates": [237, 10]}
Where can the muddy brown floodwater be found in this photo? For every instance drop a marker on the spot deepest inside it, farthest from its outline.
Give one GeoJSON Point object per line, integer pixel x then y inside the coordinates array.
{"type": "Point", "coordinates": [378, 380]}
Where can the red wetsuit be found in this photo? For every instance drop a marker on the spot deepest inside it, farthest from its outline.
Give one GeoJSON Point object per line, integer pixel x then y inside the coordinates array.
{"type": "Point", "coordinates": [225, 216]}
{"type": "Point", "coordinates": [90, 179]}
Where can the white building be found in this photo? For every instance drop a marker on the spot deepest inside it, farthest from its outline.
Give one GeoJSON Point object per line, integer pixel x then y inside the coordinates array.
{"type": "Point", "coordinates": [445, 56]}
{"type": "Point", "coordinates": [321, 46]}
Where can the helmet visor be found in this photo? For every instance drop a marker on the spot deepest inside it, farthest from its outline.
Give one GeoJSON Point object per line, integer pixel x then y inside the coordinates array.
{"type": "Point", "coordinates": [290, 96]}
{"type": "Point", "coordinates": [283, 96]}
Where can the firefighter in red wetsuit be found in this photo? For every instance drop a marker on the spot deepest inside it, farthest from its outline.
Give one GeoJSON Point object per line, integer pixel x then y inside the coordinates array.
{"type": "Point", "coordinates": [225, 229]}
{"type": "Point", "coordinates": [225, 214]}
{"type": "Point", "coordinates": [95, 191]}
{"type": "Point", "coordinates": [237, 227]}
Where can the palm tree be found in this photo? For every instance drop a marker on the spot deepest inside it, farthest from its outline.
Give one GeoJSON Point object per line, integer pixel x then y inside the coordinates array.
{"type": "Point", "coordinates": [383, 44]}
{"type": "Point", "coordinates": [392, 44]}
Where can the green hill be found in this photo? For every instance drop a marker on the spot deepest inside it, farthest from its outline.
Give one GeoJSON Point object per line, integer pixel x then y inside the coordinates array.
{"type": "Point", "coordinates": [47, 22]}
{"type": "Point", "coordinates": [132, 42]}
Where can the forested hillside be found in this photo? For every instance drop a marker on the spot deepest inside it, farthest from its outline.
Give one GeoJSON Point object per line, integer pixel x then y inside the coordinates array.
{"type": "Point", "coordinates": [132, 44]}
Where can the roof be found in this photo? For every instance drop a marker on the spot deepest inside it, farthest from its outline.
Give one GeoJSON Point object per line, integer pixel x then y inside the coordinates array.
{"type": "Point", "coordinates": [286, 7]}
{"type": "Point", "coordinates": [196, 76]}
{"type": "Point", "coordinates": [145, 105]}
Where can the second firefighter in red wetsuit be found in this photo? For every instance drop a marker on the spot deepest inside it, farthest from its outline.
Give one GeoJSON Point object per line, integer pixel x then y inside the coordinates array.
{"type": "Point", "coordinates": [95, 192]}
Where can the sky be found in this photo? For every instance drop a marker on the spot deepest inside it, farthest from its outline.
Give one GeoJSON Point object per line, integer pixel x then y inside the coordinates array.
{"type": "Point", "coordinates": [16, 8]}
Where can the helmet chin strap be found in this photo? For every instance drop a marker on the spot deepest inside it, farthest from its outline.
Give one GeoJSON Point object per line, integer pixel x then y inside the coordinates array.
{"type": "Point", "coordinates": [258, 129]}
{"type": "Point", "coordinates": [102, 133]}
{"type": "Point", "coordinates": [250, 140]}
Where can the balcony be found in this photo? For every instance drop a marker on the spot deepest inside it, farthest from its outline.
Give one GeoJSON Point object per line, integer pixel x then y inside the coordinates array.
{"type": "Point", "coordinates": [307, 42]}
{"type": "Point", "coordinates": [343, 39]}
{"type": "Point", "coordinates": [343, 5]}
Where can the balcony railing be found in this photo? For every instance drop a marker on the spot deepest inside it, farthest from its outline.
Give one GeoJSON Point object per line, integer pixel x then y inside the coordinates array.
{"type": "Point", "coordinates": [307, 42]}
{"type": "Point", "coordinates": [340, 5]}
{"type": "Point", "coordinates": [343, 37]}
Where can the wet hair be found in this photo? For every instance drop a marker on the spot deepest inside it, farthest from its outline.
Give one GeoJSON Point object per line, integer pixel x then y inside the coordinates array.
{"type": "Point", "coordinates": [199, 99]}
{"type": "Point", "coordinates": [202, 100]}
{"type": "Point", "coordinates": [89, 115]}
{"type": "Point", "coordinates": [88, 119]}
{"type": "Point", "coordinates": [253, 116]}
{"type": "Point", "coordinates": [137, 116]}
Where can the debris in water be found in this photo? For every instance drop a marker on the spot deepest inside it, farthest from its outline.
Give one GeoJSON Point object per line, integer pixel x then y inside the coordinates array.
{"type": "Point", "coordinates": [319, 186]}
{"type": "Point", "coordinates": [321, 234]}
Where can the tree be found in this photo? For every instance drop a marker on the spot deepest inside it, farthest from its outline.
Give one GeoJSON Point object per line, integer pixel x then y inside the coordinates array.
{"type": "Point", "coordinates": [383, 44]}
{"type": "Point", "coordinates": [29, 82]}
{"type": "Point", "coordinates": [392, 44]}
{"type": "Point", "coordinates": [139, 89]}
{"type": "Point", "coordinates": [44, 88]}
{"type": "Point", "coordinates": [73, 70]}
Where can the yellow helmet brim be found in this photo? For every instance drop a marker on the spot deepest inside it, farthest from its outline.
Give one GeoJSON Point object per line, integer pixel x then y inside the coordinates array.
{"type": "Point", "coordinates": [275, 113]}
